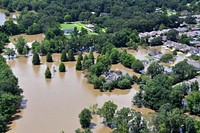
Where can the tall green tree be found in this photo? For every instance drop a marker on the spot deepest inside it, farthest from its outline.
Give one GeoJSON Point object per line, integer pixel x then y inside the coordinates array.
{"type": "Point", "coordinates": [114, 56]}
{"type": "Point", "coordinates": [20, 45]}
{"type": "Point", "coordinates": [62, 67]}
{"type": "Point", "coordinates": [79, 64]}
{"type": "Point", "coordinates": [155, 69]}
{"type": "Point", "coordinates": [193, 102]}
{"type": "Point", "coordinates": [49, 57]}
{"type": "Point", "coordinates": [107, 112]}
{"type": "Point", "coordinates": [157, 89]}
{"type": "Point", "coordinates": [36, 59]}
{"type": "Point", "coordinates": [194, 86]}
{"type": "Point", "coordinates": [137, 66]}
{"type": "Point", "coordinates": [91, 56]}
{"type": "Point", "coordinates": [85, 118]}
{"type": "Point", "coordinates": [71, 55]}
{"type": "Point", "coordinates": [47, 73]}
{"type": "Point", "coordinates": [63, 57]}
{"type": "Point", "coordinates": [183, 71]}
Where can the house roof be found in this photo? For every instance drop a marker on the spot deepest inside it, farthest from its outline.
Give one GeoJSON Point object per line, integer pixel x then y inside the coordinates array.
{"type": "Point", "coordinates": [155, 52]}
{"type": "Point", "coordinates": [89, 26]}
{"type": "Point", "coordinates": [194, 63]}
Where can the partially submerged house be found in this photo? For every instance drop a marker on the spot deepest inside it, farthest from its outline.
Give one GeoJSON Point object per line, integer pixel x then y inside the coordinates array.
{"type": "Point", "coordinates": [178, 46]}
{"type": "Point", "coordinates": [155, 54]}
{"type": "Point", "coordinates": [194, 51]}
{"type": "Point", "coordinates": [113, 76]}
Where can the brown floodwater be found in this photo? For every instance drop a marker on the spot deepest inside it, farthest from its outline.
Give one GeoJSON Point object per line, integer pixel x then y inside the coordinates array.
{"type": "Point", "coordinates": [28, 38]}
{"type": "Point", "coordinates": [142, 54]}
{"type": "Point", "coordinates": [53, 105]}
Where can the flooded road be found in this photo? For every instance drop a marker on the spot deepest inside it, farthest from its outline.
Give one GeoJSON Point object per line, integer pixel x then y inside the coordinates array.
{"type": "Point", "coordinates": [53, 105]}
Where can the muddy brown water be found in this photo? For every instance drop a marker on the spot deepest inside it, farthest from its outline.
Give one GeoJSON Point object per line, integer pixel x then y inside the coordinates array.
{"type": "Point", "coordinates": [28, 38]}
{"type": "Point", "coordinates": [142, 54]}
{"type": "Point", "coordinates": [53, 105]}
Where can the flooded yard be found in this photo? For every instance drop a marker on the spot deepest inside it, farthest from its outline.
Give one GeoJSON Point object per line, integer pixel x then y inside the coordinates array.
{"type": "Point", "coordinates": [28, 38]}
{"type": "Point", "coordinates": [53, 105]}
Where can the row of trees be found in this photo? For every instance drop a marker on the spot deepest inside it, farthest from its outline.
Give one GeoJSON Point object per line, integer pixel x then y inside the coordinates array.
{"type": "Point", "coordinates": [111, 14]}
{"type": "Point", "coordinates": [10, 95]}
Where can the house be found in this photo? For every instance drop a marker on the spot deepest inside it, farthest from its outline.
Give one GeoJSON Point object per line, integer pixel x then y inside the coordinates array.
{"type": "Point", "coordinates": [90, 27]}
{"type": "Point", "coordinates": [194, 42]}
{"type": "Point", "coordinates": [167, 69]}
{"type": "Point", "coordinates": [103, 14]}
{"type": "Point", "coordinates": [68, 31]}
{"type": "Point", "coordinates": [197, 45]}
{"type": "Point", "coordinates": [158, 57]}
{"type": "Point", "coordinates": [164, 38]}
{"type": "Point", "coordinates": [193, 34]}
{"type": "Point", "coordinates": [183, 48]}
{"type": "Point", "coordinates": [178, 46]}
{"type": "Point", "coordinates": [153, 33]}
{"type": "Point", "coordinates": [113, 76]}
{"type": "Point", "coordinates": [182, 29]}
{"type": "Point", "coordinates": [185, 13]}
{"type": "Point", "coordinates": [194, 63]}
{"type": "Point", "coordinates": [194, 51]}
{"type": "Point", "coordinates": [155, 54]}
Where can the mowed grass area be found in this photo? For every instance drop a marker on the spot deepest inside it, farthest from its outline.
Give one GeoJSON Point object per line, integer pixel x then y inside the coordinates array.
{"type": "Point", "coordinates": [79, 25]}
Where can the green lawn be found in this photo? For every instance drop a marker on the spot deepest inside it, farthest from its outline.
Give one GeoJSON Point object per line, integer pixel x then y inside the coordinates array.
{"type": "Point", "coordinates": [169, 12]}
{"type": "Point", "coordinates": [72, 25]}
{"type": "Point", "coordinates": [79, 25]}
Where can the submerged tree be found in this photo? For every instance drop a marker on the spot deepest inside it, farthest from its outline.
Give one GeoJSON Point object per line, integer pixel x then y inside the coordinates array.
{"type": "Point", "coordinates": [63, 57]}
{"type": "Point", "coordinates": [85, 118]}
{"type": "Point", "coordinates": [20, 45]}
{"type": "Point", "coordinates": [36, 59]}
{"type": "Point", "coordinates": [79, 64]}
{"type": "Point", "coordinates": [49, 57]}
{"type": "Point", "coordinates": [62, 67]}
{"type": "Point", "coordinates": [71, 55]}
{"type": "Point", "coordinates": [107, 112]}
{"type": "Point", "coordinates": [47, 73]}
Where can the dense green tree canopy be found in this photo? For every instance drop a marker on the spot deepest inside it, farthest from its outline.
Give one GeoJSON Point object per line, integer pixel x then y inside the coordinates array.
{"type": "Point", "coordinates": [36, 59]}
{"type": "Point", "coordinates": [62, 67]}
{"type": "Point", "coordinates": [9, 95]}
{"type": "Point", "coordinates": [108, 111]}
{"type": "Point", "coordinates": [137, 66]}
{"type": "Point", "coordinates": [47, 73]}
{"type": "Point", "coordinates": [85, 118]}
{"type": "Point", "coordinates": [183, 71]}
{"type": "Point", "coordinates": [155, 69]}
